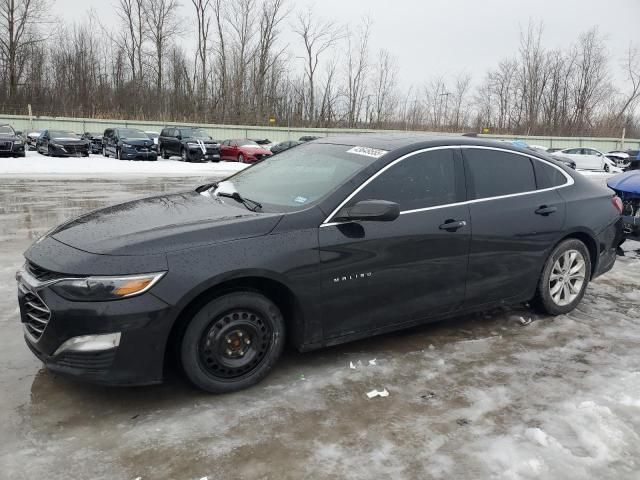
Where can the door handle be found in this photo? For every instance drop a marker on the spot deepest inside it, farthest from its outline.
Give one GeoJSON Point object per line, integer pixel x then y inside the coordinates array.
{"type": "Point", "coordinates": [451, 225]}
{"type": "Point", "coordinates": [545, 211]}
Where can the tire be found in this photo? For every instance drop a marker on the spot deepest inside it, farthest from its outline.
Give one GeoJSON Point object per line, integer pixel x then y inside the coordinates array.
{"type": "Point", "coordinates": [559, 295]}
{"type": "Point", "coordinates": [241, 158]}
{"type": "Point", "coordinates": [49, 151]}
{"type": "Point", "coordinates": [250, 329]}
{"type": "Point", "coordinates": [606, 167]}
{"type": "Point", "coordinates": [118, 154]}
{"type": "Point", "coordinates": [104, 152]}
{"type": "Point", "coordinates": [183, 155]}
{"type": "Point", "coordinates": [164, 153]}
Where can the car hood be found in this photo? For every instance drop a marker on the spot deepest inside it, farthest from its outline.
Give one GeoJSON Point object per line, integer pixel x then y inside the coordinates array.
{"type": "Point", "coordinates": [628, 182]}
{"type": "Point", "coordinates": [163, 223]}
{"type": "Point", "coordinates": [8, 137]}
{"type": "Point", "coordinates": [256, 151]}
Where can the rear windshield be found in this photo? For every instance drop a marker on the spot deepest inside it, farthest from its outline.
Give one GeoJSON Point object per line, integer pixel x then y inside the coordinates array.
{"type": "Point", "coordinates": [299, 177]}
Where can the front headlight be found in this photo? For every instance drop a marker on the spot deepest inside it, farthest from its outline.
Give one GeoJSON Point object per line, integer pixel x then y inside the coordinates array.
{"type": "Point", "coordinates": [126, 145]}
{"type": "Point", "coordinates": [18, 142]}
{"type": "Point", "coordinates": [101, 289]}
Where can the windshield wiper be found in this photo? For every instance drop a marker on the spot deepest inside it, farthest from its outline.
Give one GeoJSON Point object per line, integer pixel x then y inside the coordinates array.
{"type": "Point", "coordinates": [206, 186]}
{"type": "Point", "coordinates": [247, 202]}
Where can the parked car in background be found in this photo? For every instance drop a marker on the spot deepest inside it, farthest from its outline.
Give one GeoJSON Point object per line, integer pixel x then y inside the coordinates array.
{"type": "Point", "coordinates": [32, 139]}
{"type": "Point", "coordinates": [264, 142]}
{"type": "Point", "coordinates": [128, 144]}
{"type": "Point", "coordinates": [585, 158]}
{"type": "Point", "coordinates": [308, 138]}
{"type": "Point", "coordinates": [634, 159]}
{"type": "Point", "coordinates": [282, 146]}
{"type": "Point", "coordinates": [153, 136]}
{"type": "Point", "coordinates": [627, 187]}
{"type": "Point", "coordinates": [619, 158]}
{"type": "Point", "coordinates": [554, 149]}
{"type": "Point", "coordinates": [62, 143]}
{"type": "Point", "coordinates": [95, 141]}
{"type": "Point", "coordinates": [243, 151]}
{"type": "Point", "coordinates": [192, 144]}
{"type": "Point", "coordinates": [11, 144]}
{"type": "Point", "coordinates": [325, 243]}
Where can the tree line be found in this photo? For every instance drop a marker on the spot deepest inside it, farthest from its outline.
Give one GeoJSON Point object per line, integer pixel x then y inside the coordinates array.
{"type": "Point", "coordinates": [240, 70]}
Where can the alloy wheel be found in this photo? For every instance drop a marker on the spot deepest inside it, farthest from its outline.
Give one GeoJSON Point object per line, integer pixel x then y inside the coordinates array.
{"type": "Point", "coordinates": [241, 158]}
{"type": "Point", "coordinates": [184, 155]}
{"type": "Point", "coordinates": [567, 277]}
{"type": "Point", "coordinates": [235, 343]}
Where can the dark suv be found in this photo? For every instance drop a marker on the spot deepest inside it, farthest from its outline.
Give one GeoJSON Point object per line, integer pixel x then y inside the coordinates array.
{"type": "Point", "coordinates": [128, 144]}
{"type": "Point", "coordinates": [11, 145]}
{"type": "Point", "coordinates": [193, 144]}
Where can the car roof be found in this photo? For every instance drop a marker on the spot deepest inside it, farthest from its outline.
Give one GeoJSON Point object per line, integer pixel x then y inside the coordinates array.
{"type": "Point", "coordinates": [395, 141]}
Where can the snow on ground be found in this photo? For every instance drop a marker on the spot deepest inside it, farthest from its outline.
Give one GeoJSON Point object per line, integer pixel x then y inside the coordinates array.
{"type": "Point", "coordinates": [475, 397]}
{"type": "Point", "coordinates": [36, 165]}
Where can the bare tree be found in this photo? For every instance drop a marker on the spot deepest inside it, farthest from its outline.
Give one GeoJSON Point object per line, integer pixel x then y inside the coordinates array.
{"type": "Point", "coordinates": [132, 16]}
{"type": "Point", "coordinates": [19, 30]}
{"type": "Point", "coordinates": [632, 70]}
{"type": "Point", "coordinates": [384, 88]}
{"type": "Point", "coordinates": [162, 24]}
{"type": "Point", "coordinates": [357, 69]}
{"type": "Point", "coordinates": [203, 25]}
{"type": "Point", "coordinates": [318, 36]}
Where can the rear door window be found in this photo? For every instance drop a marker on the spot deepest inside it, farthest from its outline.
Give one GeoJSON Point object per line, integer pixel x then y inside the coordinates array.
{"type": "Point", "coordinates": [548, 176]}
{"type": "Point", "coordinates": [494, 173]}
{"type": "Point", "coordinates": [423, 180]}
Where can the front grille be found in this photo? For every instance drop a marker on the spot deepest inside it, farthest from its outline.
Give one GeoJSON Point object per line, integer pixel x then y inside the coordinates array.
{"type": "Point", "coordinates": [34, 312]}
{"type": "Point", "coordinates": [76, 148]}
{"type": "Point", "coordinates": [42, 274]}
{"type": "Point", "coordinates": [5, 146]}
{"type": "Point", "coordinates": [92, 362]}
{"type": "Point", "coordinates": [140, 148]}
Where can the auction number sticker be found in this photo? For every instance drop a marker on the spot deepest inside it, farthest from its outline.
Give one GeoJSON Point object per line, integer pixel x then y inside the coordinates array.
{"type": "Point", "coordinates": [368, 152]}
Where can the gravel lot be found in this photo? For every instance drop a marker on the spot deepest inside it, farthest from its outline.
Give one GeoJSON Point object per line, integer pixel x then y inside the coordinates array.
{"type": "Point", "coordinates": [481, 396]}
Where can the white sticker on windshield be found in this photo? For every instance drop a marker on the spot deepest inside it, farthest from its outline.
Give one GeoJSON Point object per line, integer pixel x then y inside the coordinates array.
{"type": "Point", "coordinates": [300, 199]}
{"type": "Point", "coordinates": [367, 151]}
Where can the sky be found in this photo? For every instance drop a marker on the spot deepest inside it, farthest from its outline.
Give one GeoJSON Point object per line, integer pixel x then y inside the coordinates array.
{"type": "Point", "coordinates": [445, 37]}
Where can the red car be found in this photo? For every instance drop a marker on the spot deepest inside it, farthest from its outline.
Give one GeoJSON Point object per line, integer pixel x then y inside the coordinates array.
{"type": "Point", "coordinates": [243, 151]}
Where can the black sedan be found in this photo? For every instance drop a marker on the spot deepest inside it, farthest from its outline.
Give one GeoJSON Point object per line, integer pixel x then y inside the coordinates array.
{"type": "Point", "coordinates": [282, 146]}
{"type": "Point", "coordinates": [328, 242]}
{"type": "Point", "coordinates": [11, 144]}
{"type": "Point", "coordinates": [62, 143]}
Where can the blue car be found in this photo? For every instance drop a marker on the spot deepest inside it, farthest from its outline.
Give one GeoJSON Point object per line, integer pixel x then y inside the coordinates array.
{"type": "Point", "coordinates": [627, 187]}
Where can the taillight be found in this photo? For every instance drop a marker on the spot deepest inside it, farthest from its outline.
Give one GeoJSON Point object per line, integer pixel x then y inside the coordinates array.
{"type": "Point", "coordinates": [617, 203]}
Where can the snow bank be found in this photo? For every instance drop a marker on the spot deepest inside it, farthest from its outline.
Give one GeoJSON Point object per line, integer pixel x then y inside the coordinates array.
{"type": "Point", "coordinates": [36, 165]}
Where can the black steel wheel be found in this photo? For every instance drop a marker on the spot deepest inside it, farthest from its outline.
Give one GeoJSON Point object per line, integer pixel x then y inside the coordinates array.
{"type": "Point", "coordinates": [232, 342]}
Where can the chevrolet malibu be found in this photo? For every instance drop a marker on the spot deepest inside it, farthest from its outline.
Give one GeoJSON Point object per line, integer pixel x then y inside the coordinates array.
{"type": "Point", "coordinates": [334, 240]}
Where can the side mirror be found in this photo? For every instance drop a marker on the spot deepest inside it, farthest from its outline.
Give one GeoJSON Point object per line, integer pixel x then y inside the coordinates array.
{"type": "Point", "coordinates": [372, 210]}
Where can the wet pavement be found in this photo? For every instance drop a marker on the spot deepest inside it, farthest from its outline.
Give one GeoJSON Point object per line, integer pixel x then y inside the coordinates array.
{"type": "Point", "coordinates": [482, 396]}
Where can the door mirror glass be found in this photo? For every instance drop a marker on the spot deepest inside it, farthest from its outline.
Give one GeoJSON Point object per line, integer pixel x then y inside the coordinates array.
{"type": "Point", "coordinates": [372, 210]}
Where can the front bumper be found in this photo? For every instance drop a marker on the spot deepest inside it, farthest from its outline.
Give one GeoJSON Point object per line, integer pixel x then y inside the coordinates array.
{"type": "Point", "coordinates": [197, 155]}
{"type": "Point", "coordinates": [141, 323]}
{"type": "Point", "coordinates": [631, 226]}
{"type": "Point", "coordinates": [69, 150]}
{"type": "Point", "coordinates": [12, 151]}
{"type": "Point", "coordinates": [133, 154]}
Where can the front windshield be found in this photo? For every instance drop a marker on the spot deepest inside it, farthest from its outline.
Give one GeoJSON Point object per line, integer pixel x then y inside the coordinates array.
{"type": "Point", "coordinates": [194, 133]}
{"type": "Point", "coordinates": [132, 134]}
{"type": "Point", "coordinates": [6, 130]}
{"type": "Point", "coordinates": [63, 134]}
{"type": "Point", "coordinates": [297, 178]}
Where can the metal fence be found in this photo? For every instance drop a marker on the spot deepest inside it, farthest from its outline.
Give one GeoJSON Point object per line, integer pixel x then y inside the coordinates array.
{"type": "Point", "coordinates": [221, 132]}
